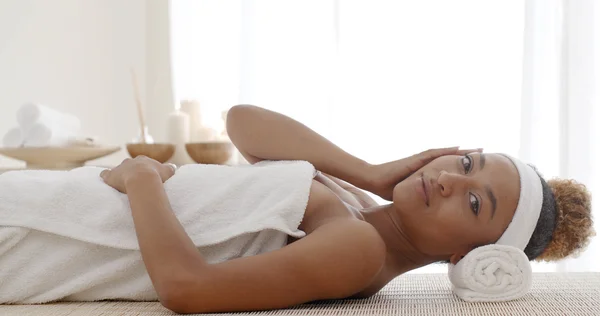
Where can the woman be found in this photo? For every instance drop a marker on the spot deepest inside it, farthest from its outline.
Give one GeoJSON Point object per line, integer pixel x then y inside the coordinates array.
{"type": "Point", "coordinates": [446, 202]}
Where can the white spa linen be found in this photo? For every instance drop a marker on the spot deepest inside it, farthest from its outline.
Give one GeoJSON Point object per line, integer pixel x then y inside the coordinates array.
{"type": "Point", "coordinates": [492, 273]}
{"type": "Point", "coordinates": [66, 235]}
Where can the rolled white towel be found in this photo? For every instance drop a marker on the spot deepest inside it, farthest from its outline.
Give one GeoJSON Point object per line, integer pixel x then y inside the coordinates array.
{"type": "Point", "coordinates": [29, 114]}
{"type": "Point", "coordinates": [13, 138]}
{"type": "Point", "coordinates": [492, 273]}
{"type": "Point", "coordinates": [44, 135]}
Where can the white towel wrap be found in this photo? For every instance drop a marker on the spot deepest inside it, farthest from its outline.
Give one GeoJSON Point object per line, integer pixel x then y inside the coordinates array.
{"type": "Point", "coordinates": [502, 272]}
{"type": "Point", "coordinates": [67, 235]}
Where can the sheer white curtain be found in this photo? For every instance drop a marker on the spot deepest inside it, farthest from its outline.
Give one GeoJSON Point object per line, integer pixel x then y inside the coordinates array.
{"type": "Point", "coordinates": [385, 79]}
{"type": "Point", "coordinates": [560, 100]}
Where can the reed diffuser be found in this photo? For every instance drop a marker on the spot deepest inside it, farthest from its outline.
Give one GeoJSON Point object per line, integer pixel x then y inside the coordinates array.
{"type": "Point", "coordinates": [144, 143]}
{"type": "Point", "coordinates": [144, 137]}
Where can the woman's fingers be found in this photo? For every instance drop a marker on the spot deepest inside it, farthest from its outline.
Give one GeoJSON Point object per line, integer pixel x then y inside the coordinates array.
{"type": "Point", "coordinates": [421, 159]}
{"type": "Point", "coordinates": [172, 168]}
{"type": "Point", "coordinates": [172, 165]}
{"type": "Point", "coordinates": [166, 170]}
{"type": "Point", "coordinates": [104, 173]}
{"type": "Point", "coordinates": [468, 151]}
{"type": "Point", "coordinates": [427, 156]}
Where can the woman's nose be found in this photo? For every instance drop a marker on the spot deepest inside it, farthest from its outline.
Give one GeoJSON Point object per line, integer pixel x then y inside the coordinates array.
{"type": "Point", "coordinates": [450, 182]}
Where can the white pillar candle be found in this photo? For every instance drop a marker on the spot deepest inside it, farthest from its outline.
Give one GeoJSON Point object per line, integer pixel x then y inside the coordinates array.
{"type": "Point", "coordinates": [205, 134]}
{"type": "Point", "coordinates": [178, 133]}
{"type": "Point", "coordinates": [192, 108]}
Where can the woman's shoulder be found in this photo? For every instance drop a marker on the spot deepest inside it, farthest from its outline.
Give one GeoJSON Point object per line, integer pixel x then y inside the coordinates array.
{"type": "Point", "coordinates": [353, 245]}
{"type": "Point", "coordinates": [355, 255]}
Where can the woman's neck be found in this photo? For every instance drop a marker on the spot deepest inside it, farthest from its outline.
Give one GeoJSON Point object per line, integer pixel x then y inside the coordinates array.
{"type": "Point", "coordinates": [403, 256]}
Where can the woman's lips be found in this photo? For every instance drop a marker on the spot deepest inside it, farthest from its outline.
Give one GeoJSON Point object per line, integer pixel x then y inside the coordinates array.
{"type": "Point", "coordinates": [422, 190]}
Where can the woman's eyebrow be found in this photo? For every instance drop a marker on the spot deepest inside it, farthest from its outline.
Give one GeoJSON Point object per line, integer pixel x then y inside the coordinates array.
{"type": "Point", "coordinates": [488, 189]}
{"type": "Point", "coordinates": [481, 161]}
{"type": "Point", "coordinates": [492, 198]}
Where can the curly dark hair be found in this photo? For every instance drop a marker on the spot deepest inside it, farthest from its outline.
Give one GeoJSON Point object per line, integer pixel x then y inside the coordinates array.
{"type": "Point", "coordinates": [565, 226]}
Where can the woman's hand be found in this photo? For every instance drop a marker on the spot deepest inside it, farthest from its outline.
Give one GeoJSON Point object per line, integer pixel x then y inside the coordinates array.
{"type": "Point", "coordinates": [138, 166]}
{"type": "Point", "coordinates": [384, 177]}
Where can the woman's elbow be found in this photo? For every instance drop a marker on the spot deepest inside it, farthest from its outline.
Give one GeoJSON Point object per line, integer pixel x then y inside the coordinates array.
{"type": "Point", "coordinates": [171, 305]}
{"type": "Point", "coordinates": [235, 118]}
{"type": "Point", "coordinates": [176, 300]}
{"type": "Point", "coordinates": [238, 112]}
{"type": "Point", "coordinates": [187, 293]}
{"type": "Point", "coordinates": [182, 309]}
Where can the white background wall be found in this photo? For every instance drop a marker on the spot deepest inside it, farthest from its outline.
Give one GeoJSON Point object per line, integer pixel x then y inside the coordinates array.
{"type": "Point", "coordinates": [75, 56]}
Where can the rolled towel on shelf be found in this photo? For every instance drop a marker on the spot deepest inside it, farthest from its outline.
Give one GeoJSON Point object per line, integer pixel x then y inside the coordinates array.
{"type": "Point", "coordinates": [492, 273]}
{"type": "Point", "coordinates": [44, 135]}
{"type": "Point", "coordinates": [30, 114]}
{"type": "Point", "coordinates": [13, 138]}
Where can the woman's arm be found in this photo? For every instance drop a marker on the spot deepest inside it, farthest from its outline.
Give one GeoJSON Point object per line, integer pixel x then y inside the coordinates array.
{"type": "Point", "coordinates": [334, 261]}
{"type": "Point", "coordinates": [166, 248]}
{"type": "Point", "coordinates": [260, 134]}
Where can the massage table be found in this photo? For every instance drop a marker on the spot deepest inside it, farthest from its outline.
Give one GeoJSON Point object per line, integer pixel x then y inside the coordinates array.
{"type": "Point", "coordinates": [410, 294]}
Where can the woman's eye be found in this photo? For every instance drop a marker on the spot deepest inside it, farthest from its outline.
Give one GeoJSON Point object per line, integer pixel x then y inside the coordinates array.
{"type": "Point", "coordinates": [474, 203]}
{"type": "Point", "coordinates": [467, 162]}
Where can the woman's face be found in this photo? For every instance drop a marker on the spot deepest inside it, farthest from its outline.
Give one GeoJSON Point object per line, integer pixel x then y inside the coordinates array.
{"type": "Point", "coordinates": [456, 203]}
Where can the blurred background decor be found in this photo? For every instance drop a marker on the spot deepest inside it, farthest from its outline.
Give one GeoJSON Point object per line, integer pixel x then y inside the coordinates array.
{"type": "Point", "coordinates": [45, 138]}
{"type": "Point", "coordinates": [383, 79]}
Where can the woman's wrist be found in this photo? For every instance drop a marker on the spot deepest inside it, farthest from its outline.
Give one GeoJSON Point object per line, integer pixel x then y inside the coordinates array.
{"type": "Point", "coordinates": [370, 179]}
{"type": "Point", "coordinates": [141, 176]}
{"type": "Point", "coordinates": [362, 176]}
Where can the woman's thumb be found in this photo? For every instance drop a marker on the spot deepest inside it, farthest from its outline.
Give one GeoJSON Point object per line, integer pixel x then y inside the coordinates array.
{"type": "Point", "coordinates": [103, 174]}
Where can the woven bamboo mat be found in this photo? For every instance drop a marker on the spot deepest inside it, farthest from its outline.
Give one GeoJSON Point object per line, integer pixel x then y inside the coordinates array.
{"type": "Point", "coordinates": [412, 294]}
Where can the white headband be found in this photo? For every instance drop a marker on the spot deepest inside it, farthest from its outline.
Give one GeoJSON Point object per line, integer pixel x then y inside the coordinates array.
{"type": "Point", "coordinates": [526, 216]}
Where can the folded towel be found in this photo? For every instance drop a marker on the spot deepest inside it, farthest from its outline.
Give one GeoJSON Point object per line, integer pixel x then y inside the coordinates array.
{"type": "Point", "coordinates": [13, 138]}
{"type": "Point", "coordinates": [491, 273]}
{"type": "Point", "coordinates": [29, 114]}
{"type": "Point", "coordinates": [69, 236]}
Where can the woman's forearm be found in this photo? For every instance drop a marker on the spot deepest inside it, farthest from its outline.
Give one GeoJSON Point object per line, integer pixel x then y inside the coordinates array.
{"type": "Point", "coordinates": [166, 248]}
{"type": "Point", "coordinates": [273, 136]}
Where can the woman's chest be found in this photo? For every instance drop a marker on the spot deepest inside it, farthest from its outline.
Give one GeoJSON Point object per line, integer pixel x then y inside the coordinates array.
{"type": "Point", "coordinates": [323, 207]}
